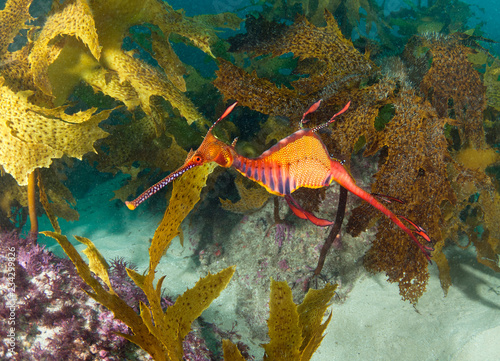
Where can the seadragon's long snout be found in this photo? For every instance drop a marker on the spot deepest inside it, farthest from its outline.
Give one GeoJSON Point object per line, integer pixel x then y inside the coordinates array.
{"type": "Point", "coordinates": [156, 187]}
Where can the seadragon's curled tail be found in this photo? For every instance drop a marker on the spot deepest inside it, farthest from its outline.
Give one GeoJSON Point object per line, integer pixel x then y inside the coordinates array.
{"type": "Point", "coordinates": [299, 160]}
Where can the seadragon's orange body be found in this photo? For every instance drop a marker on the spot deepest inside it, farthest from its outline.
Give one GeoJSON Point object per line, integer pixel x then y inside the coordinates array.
{"type": "Point", "coordinates": [299, 160]}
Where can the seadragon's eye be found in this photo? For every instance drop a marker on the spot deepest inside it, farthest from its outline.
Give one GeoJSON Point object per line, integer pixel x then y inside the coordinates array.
{"type": "Point", "coordinates": [197, 159]}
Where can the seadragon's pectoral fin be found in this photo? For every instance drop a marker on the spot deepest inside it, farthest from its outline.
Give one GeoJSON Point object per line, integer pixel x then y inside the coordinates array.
{"type": "Point", "coordinates": [302, 213]}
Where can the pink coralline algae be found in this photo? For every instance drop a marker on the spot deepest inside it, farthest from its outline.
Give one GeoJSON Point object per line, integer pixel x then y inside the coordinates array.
{"type": "Point", "coordinates": [55, 319]}
{"type": "Point", "coordinates": [284, 232]}
{"type": "Point", "coordinates": [283, 264]}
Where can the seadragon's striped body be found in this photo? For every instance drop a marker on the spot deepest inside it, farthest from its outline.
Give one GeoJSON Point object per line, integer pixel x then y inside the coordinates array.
{"type": "Point", "coordinates": [299, 160]}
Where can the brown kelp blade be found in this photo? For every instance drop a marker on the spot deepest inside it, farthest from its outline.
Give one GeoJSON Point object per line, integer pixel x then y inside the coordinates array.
{"type": "Point", "coordinates": [156, 187]}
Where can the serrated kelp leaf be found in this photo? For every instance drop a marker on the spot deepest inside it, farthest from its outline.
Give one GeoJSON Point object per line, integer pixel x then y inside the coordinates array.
{"type": "Point", "coordinates": [190, 305]}
{"type": "Point", "coordinates": [479, 218]}
{"type": "Point", "coordinates": [172, 326]}
{"type": "Point", "coordinates": [109, 83]}
{"type": "Point", "coordinates": [283, 324]}
{"type": "Point", "coordinates": [12, 19]}
{"type": "Point", "coordinates": [31, 136]}
{"type": "Point", "coordinates": [313, 308]}
{"type": "Point", "coordinates": [74, 19]}
{"type": "Point", "coordinates": [148, 81]}
{"type": "Point", "coordinates": [18, 157]}
{"type": "Point", "coordinates": [174, 21]}
{"type": "Point", "coordinates": [138, 279]}
{"type": "Point", "coordinates": [443, 267]}
{"type": "Point", "coordinates": [311, 312]}
{"type": "Point", "coordinates": [185, 194]}
{"type": "Point", "coordinates": [315, 340]}
{"type": "Point", "coordinates": [296, 332]}
{"type": "Point", "coordinates": [231, 352]}
{"type": "Point", "coordinates": [12, 195]}
{"type": "Point", "coordinates": [19, 77]}
{"type": "Point", "coordinates": [97, 263]}
{"type": "Point", "coordinates": [488, 245]}
{"type": "Point", "coordinates": [477, 159]}
{"type": "Point", "coordinates": [169, 61]}
{"type": "Point", "coordinates": [82, 267]}
{"type": "Point", "coordinates": [137, 141]}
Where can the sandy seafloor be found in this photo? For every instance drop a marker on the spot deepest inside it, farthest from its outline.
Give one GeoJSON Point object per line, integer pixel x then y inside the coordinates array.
{"type": "Point", "coordinates": [370, 321]}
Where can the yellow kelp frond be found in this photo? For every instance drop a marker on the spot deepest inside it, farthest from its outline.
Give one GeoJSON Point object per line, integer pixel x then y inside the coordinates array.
{"type": "Point", "coordinates": [97, 263]}
{"type": "Point", "coordinates": [166, 57]}
{"type": "Point", "coordinates": [18, 76]}
{"type": "Point", "coordinates": [148, 81]}
{"type": "Point", "coordinates": [306, 41]}
{"type": "Point", "coordinates": [42, 194]}
{"type": "Point", "coordinates": [163, 338]}
{"type": "Point", "coordinates": [108, 82]}
{"type": "Point", "coordinates": [31, 136]}
{"type": "Point", "coordinates": [12, 19]}
{"type": "Point", "coordinates": [189, 306]}
{"type": "Point", "coordinates": [251, 198]}
{"type": "Point", "coordinates": [140, 333]}
{"type": "Point", "coordinates": [185, 195]}
{"type": "Point", "coordinates": [488, 245]}
{"type": "Point", "coordinates": [46, 205]}
{"type": "Point", "coordinates": [195, 29]}
{"type": "Point", "coordinates": [138, 141]}
{"type": "Point", "coordinates": [172, 326]}
{"type": "Point", "coordinates": [131, 186]}
{"type": "Point", "coordinates": [157, 154]}
{"type": "Point", "coordinates": [283, 324]}
{"type": "Point", "coordinates": [477, 159]}
{"type": "Point", "coordinates": [314, 9]}
{"type": "Point", "coordinates": [75, 19]}
{"type": "Point", "coordinates": [231, 352]}
{"type": "Point", "coordinates": [296, 331]}
{"type": "Point", "coordinates": [311, 312]}
{"type": "Point", "coordinates": [127, 144]}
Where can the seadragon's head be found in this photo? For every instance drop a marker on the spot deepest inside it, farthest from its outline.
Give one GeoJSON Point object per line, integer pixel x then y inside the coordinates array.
{"type": "Point", "coordinates": [210, 150]}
